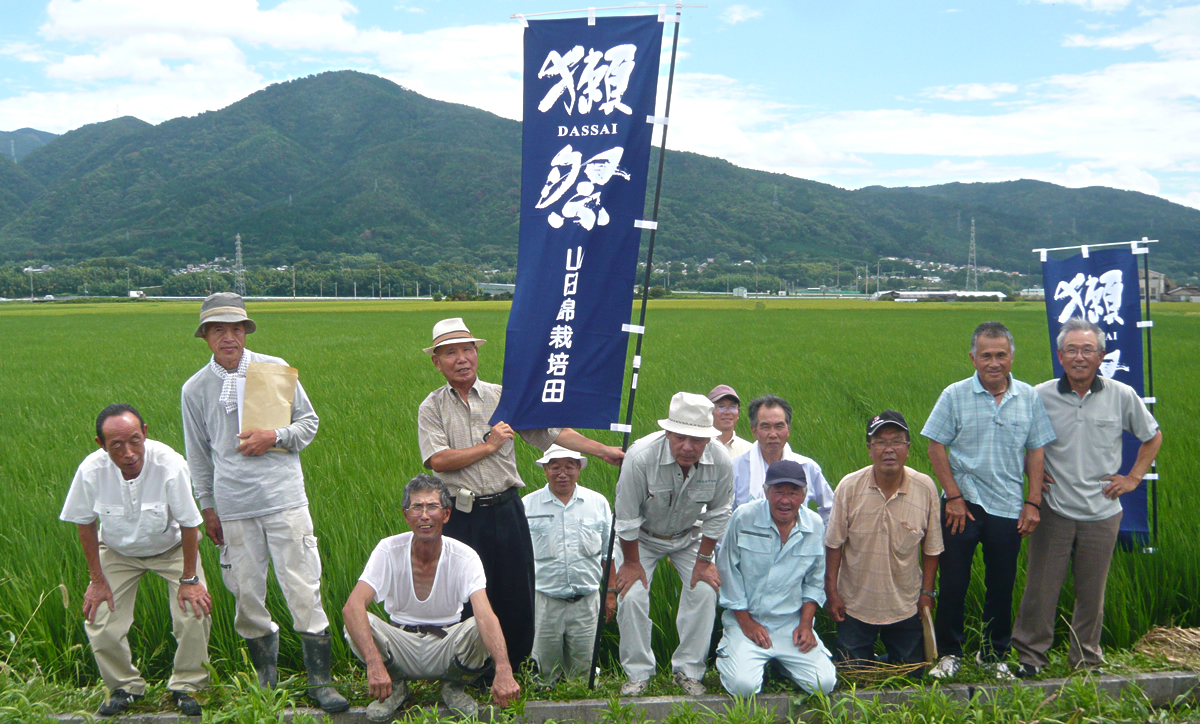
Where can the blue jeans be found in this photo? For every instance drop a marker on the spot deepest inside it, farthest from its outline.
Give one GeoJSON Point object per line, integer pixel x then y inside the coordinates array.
{"type": "Point", "coordinates": [904, 640]}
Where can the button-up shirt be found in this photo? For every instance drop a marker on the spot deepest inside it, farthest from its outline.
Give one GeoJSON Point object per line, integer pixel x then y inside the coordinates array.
{"type": "Point", "coordinates": [736, 446]}
{"type": "Point", "coordinates": [750, 471]}
{"type": "Point", "coordinates": [445, 422]}
{"type": "Point", "coordinates": [653, 494]}
{"type": "Point", "coordinates": [986, 442]}
{"type": "Point", "coordinates": [769, 579]}
{"type": "Point", "coordinates": [568, 540]}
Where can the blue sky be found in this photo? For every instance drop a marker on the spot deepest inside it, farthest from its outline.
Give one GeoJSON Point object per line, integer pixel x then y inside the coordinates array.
{"type": "Point", "coordinates": [851, 92]}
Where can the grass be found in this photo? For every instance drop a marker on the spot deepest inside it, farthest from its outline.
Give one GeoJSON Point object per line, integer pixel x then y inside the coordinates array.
{"type": "Point", "coordinates": [838, 362]}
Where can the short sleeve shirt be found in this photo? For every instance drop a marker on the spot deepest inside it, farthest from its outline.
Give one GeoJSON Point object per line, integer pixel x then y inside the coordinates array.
{"type": "Point", "coordinates": [389, 573]}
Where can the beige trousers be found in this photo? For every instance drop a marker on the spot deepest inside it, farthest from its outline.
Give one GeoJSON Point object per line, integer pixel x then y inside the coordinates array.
{"type": "Point", "coordinates": [424, 655]}
{"type": "Point", "coordinates": [109, 634]}
{"type": "Point", "coordinates": [564, 635]}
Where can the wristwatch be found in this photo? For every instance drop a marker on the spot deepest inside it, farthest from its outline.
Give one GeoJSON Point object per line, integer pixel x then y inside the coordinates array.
{"type": "Point", "coordinates": [931, 594]}
{"type": "Point", "coordinates": [706, 558]}
{"type": "Point", "coordinates": [190, 581]}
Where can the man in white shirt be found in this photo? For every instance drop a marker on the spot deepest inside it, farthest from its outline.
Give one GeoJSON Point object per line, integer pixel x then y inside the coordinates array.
{"type": "Point", "coordinates": [569, 525]}
{"type": "Point", "coordinates": [140, 493]}
{"type": "Point", "coordinates": [423, 579]}
{"type": "Point", "coordinates": [771, 423]}
{"type": "Point", "coordinates": [727, 408]}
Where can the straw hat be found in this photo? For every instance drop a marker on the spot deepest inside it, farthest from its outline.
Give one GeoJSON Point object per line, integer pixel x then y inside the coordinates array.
{"type": "Point", "coordinates": [556, 452]}
{"type": "Point", "coordinates": [224, 307]}
{"type": "Point", "coordinates": [690, 415]}
{"type": "Point", "coordinates": [451, 330]}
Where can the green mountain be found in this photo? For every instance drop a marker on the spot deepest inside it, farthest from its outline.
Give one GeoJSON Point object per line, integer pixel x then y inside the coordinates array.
{"type": "Point", "coordinates": [346, 164]}
{"type": "Point", "coordinates": [16, 145]}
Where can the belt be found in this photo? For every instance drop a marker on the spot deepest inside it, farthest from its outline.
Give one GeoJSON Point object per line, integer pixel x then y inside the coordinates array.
{"type": "Point", "coordinates": [437, 631]}
{"type": "Point", "coordinates": [574, 599]}
{"type": "Point", "coordinates": [667, 537]}
{"type": "Point", "coordinates": [487, 501]}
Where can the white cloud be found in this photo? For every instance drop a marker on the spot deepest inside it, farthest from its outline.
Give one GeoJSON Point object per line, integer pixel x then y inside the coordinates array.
{"type": "Point", "coordinates": [1104, 6]}
{"type": "Point", "coordinates": [735, 14]}
{"type": "Point", "coordinates": [971, 91]}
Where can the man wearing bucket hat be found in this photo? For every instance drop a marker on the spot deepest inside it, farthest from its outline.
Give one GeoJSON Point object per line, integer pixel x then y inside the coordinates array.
{"type": "Point", "coordinates": [674, 497]}
{"type": "Point", "coordinates": [253, 501]}
{"type": "Point", "coordinates": [726, 411]}
{"type": "Point", "coordinates": [569, 524]}
{"type": "Point", "coordinates": [478, 463]}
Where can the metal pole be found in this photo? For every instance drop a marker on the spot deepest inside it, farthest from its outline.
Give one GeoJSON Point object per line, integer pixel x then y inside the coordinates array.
{"type": "Point", "coordinates": [606, 562]}
{"type": "Point", "coordinates": [1150, 391]}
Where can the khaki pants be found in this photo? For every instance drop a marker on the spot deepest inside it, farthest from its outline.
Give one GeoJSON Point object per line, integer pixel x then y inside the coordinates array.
{"type": "Point", "coordinates": [564, 635]}
{"type": "Point", "coordinates": [424, 655]}
{"type": "Point", "coordinates": [285, 539]}
{"type": "Point", "coordinates": [109, 635]}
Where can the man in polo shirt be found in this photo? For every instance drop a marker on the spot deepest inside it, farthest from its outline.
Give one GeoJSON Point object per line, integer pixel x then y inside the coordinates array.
{"type": "Point", "coordinates": [570, 526]}
{"type": "Point", "coordinates": [478, 463]}
{"type": "Point", "coordinates": [982, 433]}
{"type": "Point", "coordinates": [674, 498]}
{"type": "Point", "coordinates": [726, 411]}
{"type": "Point", "coordinates": [139, 492]}
{"type": "Point", "coordinates": [882, 548]}
{"type": "Point", "coordinates": [1082, 513]}
{"type": "Point", "coordinates": [771, 423]}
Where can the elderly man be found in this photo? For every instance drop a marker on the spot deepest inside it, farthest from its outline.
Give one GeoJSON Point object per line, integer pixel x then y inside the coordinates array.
{"type": "Point", "coordinates": [251, 492]}
{"type": "Point", "coordinates": [139, 492]}
{"type": "Point", "coordinates": [423, 579]}
{"type": "Point", "coordinates": [771, 562]}
{"type": "Point", "coordinates": [726, 411]}
{"type": "Point", "coordinates": [882, 548]}
{"type": "Point", "coordinates": [1082, 514]}
{"type": "Point", "coordinates": [570, 526]}
{"type": "Point", "coordinates": [674, 497]}
{"type": "Point", "coordinates": [478, 462]}
{"type": "Point", "coordinates": [771, 423]}
{"type": "Point", "coordinates": [981, 433]}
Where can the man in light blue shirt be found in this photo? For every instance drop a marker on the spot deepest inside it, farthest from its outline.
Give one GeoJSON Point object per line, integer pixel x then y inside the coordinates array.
{"type": "Point", "coordinates": [983, 433]}
{"type": "Point", "coordinates": [772, 566]}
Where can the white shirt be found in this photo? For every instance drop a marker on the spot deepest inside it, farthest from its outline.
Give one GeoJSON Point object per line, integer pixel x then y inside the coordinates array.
{"type": "Point", "coordinates": [750, 470]}
{"type": "Point", "coordinates": [140, 517]}
{"type": "Point", "coordinates": [389, 573]}
{"type": "Point", "coordinates": [737, 446]}
{"type": "Point", "coordinates": [568, 540]}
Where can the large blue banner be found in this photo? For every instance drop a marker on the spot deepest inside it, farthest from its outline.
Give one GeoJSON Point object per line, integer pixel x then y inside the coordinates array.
{"type": "Point", "coordinates": [1104, 288]}
{"type": "Point", "coordinates": [585, 158]}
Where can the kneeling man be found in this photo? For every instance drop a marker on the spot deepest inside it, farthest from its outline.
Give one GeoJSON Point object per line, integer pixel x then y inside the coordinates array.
{"type": "Point", "coordinates": [423, 579]}
{"type": "Point", "coordinates": [772, 564]}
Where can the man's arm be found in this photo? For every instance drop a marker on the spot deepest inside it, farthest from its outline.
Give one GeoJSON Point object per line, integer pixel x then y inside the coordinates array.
{"type": "Point", "coordinates": [929, 566]}
{"type": "Point", "coordinates": [833, 600]}
{"type": "Point", "coordinates": [1120, 484]}
{"type": "Point", "coordinates": [97, 591]}
{"type": "Point", "coordinates": [572, 440]}
{"type": "Point", "coordinates": [504, 686]}
{"type": "Point", "coordinates": [458, 458]}
{"type": "Point", "coordinates": [631, 570]}
{"type": "Point", "coordinates": [1030, 516]}
{"type": "Point", "coordinates": [706, 571]}
{"type": "Point", "coordinates": [199, 454]}
{"type": "Point", "coordinates": [956, 508]}
{"type": "Point", "coordinates": [358, 626]}
{"type": "Point", "coordinates": [192, 593]}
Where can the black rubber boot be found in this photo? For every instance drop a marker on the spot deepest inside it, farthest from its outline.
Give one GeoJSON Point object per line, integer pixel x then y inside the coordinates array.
{"type": "Point", "coordinates": [318, 657]}
{"type": "Point", "coordinates": [264, 654]}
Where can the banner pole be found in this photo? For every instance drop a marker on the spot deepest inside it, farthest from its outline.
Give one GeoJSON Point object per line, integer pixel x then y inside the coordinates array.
{"type": "Point", "coordinates": [606, 562]}
{"type": "Point", "coordinates": [1150, 389]}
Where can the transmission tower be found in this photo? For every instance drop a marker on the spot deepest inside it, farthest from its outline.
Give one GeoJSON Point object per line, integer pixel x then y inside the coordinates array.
{"type": "Point", "coordinates": [239, 272]}
{"type": "Point", "coordinates": [972, 272]}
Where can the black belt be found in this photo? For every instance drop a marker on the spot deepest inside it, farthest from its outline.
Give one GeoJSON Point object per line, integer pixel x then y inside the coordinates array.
{"type": "Point", "coordinates": [574, 599]}
{"type": "Point", "coordinates": [487, 501]}
{"type": "Point", "coordinates": [437, 631]}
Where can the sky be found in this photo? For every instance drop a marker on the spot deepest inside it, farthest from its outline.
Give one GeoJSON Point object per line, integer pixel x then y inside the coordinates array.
{"type": "Point", "coordinates": [851, 92]}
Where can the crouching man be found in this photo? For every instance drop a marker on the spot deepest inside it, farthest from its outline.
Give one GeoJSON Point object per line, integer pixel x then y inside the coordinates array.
{"type": "Point", "coordinates": [772, 566]}
{"type": "Point", "coordinates": [423, 579]}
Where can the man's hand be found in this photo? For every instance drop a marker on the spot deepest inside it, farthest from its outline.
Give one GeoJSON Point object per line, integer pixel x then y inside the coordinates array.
{"type": "Point", "coordinates": [925, 603]}
{"type": "Point", "coordinates": [500, 434]}
{"type": "Point", "coordinates": [97, 593]}
{"type": "Point", "coordinates": [1030, 517]}
{"type": "Point", "coordinates": [753, 630]}
{"type": "Point", "coordinates": [212, 526]}
{"type": "Point", "coordinates": [610, 606]}
{"type": "Point", "coordinates": [1047, 479]}
{"type": "Point", "coordinates": [255, 442]}
{"type": "Point", "coordinates": [957, 515]}
{"type": "Point", "coordinates": [707, 572]}
{"type": "Point", "coordinates": [835, 606]}
{"type": "Point", "coordinates": [197, 596]}
{"type": "Point", "coordinates": [630, 573]}
{"type": "Point", "coordinates": [505, 687]}
{"type": "Point", "coordinates": [379, 681]}
{"type": "Point", "coordinates": [1119, 485]}
{"type": "Point", "coordinates": [804, 638]}
{"type": "Point", "coordinates": [612, 455]}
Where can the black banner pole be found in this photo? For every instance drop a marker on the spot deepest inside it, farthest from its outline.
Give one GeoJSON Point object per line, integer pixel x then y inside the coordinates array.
{"type": "Point", "coordinates": [1150, 390]}
{"type": "Point", "coordinates": [606, 562]}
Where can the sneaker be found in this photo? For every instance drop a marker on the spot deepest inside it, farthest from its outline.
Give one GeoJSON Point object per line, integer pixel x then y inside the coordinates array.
{"type": "Point", "coordinates": [385, 710]}
{"type": "Point", "coordinates": [946, 668]}
{"type": "Point", "coordinates": [186, 704]}
{"type": "Point", "coordinates": [633, 688]}
{"type": "Point", "coordinates": [999, 669]}
{"type": "Point", "coordinates": [690, 686]}
{"type": "Point", "coordinates": [458, 701]}
{"type": "Point", "coordinates": [118, 701]}
{"type": "Point", "coordinates": [1027, 671]}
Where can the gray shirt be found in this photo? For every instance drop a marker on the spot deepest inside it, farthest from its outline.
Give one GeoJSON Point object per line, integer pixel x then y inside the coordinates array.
{"type": "Point", "coordinates": [235, 485]}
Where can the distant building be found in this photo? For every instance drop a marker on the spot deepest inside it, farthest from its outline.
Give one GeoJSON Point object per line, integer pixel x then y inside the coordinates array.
{"type": "Point", "coordinates": [739, 292]}
{"type": "Point", "coordinates": [494, 289]}
{"type": "Point", "coordinates": [1033, 293]}
{"type": "Point", "coordinates": [1159, 283]}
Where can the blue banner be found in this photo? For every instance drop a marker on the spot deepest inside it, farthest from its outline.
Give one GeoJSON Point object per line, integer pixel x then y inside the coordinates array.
{"type": "Point", "coordinates": [584, 164]}
{"type": "Point", "coordinates": [1104, 288]}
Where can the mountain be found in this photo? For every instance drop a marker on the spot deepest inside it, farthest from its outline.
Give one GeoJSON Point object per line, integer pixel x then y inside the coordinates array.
{"type": "Point", "coordinates": [17, 144]}
{"type": "Point", "coordinates": [344, 163]}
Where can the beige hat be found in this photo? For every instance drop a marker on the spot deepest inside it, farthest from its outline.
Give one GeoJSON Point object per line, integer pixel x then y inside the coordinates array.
{"type": "Point", "coordinates": [451, 330]}
{"type": "Point", "coordinates": [690, 415]}
{"type": "Point", "coordinates": [558, 451]}
{"type": "Point", "coordinates": [224, 307]}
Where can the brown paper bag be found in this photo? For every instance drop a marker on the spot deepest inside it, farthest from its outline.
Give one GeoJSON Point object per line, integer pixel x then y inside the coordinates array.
{"type": "Point", "coordinates": [267, 403]}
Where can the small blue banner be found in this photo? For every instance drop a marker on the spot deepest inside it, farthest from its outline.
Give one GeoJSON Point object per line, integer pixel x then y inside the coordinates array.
{"type": "Point", "coordinates": [584, 165]}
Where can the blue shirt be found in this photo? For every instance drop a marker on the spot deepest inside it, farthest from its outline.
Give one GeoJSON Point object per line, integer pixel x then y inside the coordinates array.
{"type": "Point", "coordinates": [568, 540]}
{"type": "Point", "coordinates": [986, 442]}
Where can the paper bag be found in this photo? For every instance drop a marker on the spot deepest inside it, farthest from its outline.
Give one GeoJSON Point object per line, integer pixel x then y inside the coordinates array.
{"type": "Point", "coordinates": [930, 640]}
{"type": "Point", "coordinates": [267, 401]}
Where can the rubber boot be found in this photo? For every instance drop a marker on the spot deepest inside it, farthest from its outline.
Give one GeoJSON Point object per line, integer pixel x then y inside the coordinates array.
{"type": "Point", "coordinates": [318, 657]}
{"type": "Point", "coordinates": [454, 694]}
{"type": "Point", "coordinates": [264, 654]}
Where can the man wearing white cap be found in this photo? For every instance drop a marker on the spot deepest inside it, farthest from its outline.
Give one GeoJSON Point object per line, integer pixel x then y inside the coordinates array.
{"type": "Point", "coordinates": [674, 498]}
{"type": "Point", "coordinates": [726, 411]}
{"type": "Point", "coordinates": [251, 492]}
{"type": "Point", "coordinates": [771, 423]}
{"type": "Point", "coordinates": [569, 524]}
{"type": "Point", "coordinates": [478, 463]}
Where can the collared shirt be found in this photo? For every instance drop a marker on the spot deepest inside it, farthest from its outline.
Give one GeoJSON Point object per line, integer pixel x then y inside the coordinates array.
{"type": "Point", "coordinates": [568, 540]}
{"type": "Point", "coordinates": [737, 447]}
{"type": "Point", "coordinates": [750, 470]}
{"type": "Point", "coordinates": [881, 541]}
{"type": "Point", "coordinates": [1089, 443]}
{"type": "Point", "coordinates": [445, 422]}
{"type": "Point", "coordinates": [986, 442]}
{"type": "Point", "coordinates": [653, 494]}
{"type": "Point", "coordinates": [236, 485]}
{"type": "Point", "coordinates": [769, 579]}
{"type": "Point", "coordinates": [140, 517]}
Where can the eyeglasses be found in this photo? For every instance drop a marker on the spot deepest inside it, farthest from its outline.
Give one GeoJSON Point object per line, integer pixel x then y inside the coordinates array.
{"type": "Point", "coordinates": [430, 508]}
{"type": "Point", "coordinates": [1079, 351]}
{"type": "Point", "coordinates": [728, 408]}
{"type": "Point", "coordinates": [889, 444]}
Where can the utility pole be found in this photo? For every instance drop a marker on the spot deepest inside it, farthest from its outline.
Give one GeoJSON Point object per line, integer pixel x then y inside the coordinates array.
{"type": "Point", "coordinates": [239, 272]}
{"type": "Point", "coordinates": [128, 286]}
{"type": "Point", "coordinates": [293, 281]}
{"type": "Point", "coordinates": [30, 286]}
{"type": "Point", "coordinates": [356, 289]}
{"type": "Point", "coordinates": [877, 289]}
{"type": "Point", "coordinates": [380, 270]}
{"type": "Point", "coordinates": [972, 284]}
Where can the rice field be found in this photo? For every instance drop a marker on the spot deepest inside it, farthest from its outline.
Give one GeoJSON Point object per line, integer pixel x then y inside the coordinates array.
{"type": "Point", "coordinates": [837, 362]}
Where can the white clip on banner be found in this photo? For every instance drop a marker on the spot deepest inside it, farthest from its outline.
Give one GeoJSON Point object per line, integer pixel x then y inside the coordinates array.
{"type": "Point", "coordinates": [521, 19]}
{"type": "Point", "coordinates": [1145, 323]}
{"type": "Point", "coordinates": [1150, 400]}
{"type": "Point", "coordinates": [633, 382]}
{"type": "Point", "coordinates": [618, 427]}
{"type": "Point", "coordinates": [633, 328]}
{"type": "Point", "coordinates": [1044, 254]}
{"type": "Point", "coordinates": [1150, 476]}
{"type": "Point", "coordinates": [637, 361]}
{"type": "Point", "coordinates": [658, 120]}
{"type": "Point", "coordinates": [643, 224]}
{"type": "Point", "coordinates": [1084, 251]}
{"type": "Point", "coordinates": [591, 16]}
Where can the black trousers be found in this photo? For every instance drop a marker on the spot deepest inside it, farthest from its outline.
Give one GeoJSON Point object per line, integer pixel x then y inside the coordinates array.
{"type": "Point", "coordinates": [1001, 545]}
{"type": "Point", "coordinates": [500, 535]}
{"type": "Point", "coordinates": [903, 640]}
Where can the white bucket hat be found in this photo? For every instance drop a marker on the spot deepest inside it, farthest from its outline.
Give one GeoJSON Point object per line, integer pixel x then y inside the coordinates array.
{"type": "Point", "coordinates": [556, 452]}
{"type": "Point", "coordinates": [690, 415]}
{"type": "Point", "coordinates": [452, 330]}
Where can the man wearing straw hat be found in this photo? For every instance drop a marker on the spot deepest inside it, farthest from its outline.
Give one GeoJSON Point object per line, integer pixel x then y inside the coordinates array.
{"type": "Point", "coordinates": [674, 498]}
{"type": "Point", "coordinates": [478, 463]}
{"type": "Point", "coordinates": [253, 500]}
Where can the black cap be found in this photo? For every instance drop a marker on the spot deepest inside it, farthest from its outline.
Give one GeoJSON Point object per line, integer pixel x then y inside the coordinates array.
{"type": "Point", "coordinates": [786, 471]}
{"type": "Point", "coordinates": [887, 417]}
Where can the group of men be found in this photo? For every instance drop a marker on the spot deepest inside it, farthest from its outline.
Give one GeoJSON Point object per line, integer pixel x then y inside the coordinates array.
{"type": "Point", "coordinates": [485, 579]}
